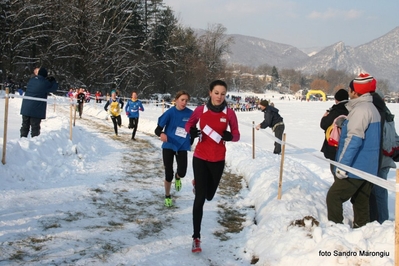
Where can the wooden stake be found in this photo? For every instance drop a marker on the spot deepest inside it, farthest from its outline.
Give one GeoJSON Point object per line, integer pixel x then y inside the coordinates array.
{"type": "Point", "coordinates": [70, 122]}
{"type": "Point", "coordinates": [397, 220]}
{"type": "Point", "coordinates": [3, 159]}
{"type": "Point", "coordinates": [253, 139]}
{"type": "Point", "coordinates": [280, 181]}
{"type": "Point", "coordinates": [74, 116]}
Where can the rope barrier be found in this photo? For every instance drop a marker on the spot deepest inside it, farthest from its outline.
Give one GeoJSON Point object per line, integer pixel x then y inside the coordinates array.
{"type": "Point", "coordinates": [389, 185]}
{"type": "Point", "coordinates": [49, 100]}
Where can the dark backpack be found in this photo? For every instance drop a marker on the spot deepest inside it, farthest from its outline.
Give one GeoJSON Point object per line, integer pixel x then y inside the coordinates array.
{"type": "Point", "coordinates": [390, 139]}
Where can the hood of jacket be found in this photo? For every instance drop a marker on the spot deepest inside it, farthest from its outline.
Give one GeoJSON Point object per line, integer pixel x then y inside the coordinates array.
{"type": "Point", "coordinates": [270, 108]}
{"type": "Point", "coordinates": [361, 99]}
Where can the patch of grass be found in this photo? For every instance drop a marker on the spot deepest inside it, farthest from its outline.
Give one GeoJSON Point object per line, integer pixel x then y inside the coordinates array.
{"type": "Point", "coordinates": [71, 217]}
{"type": "Point", "coordinates": [229, 217]}
{"type": "Point", "coordinates": [97, 190]}
{"type": "Point", "coordinates": [116, 224]}
{"type": "Point", "coordinates": [254, 260]}
{"type": "Point", "coordinates": [18, 255]}
{"type": "Point", "coordinates": [51, 225]}
{"type": "Point", "coordinates": [35, 240]}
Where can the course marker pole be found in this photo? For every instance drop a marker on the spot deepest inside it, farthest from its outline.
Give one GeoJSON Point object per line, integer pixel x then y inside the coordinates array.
{"type": "Point", "coordinates": [70, 121]}
{"type": "Point", "coordinates": [280, 182]}
{"type": "Point", "coordinates": [253, 139]}
{"type": "Point", "coordinates": [3, 159]}
{"type": "Point", "coordinates": [397, 220]}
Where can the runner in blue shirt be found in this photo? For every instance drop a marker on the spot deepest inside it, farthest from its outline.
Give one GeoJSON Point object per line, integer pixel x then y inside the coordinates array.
{"type": "Point", "coordinates": [132, 108]}
{"type": "Point", "coordinates": [176, 142]}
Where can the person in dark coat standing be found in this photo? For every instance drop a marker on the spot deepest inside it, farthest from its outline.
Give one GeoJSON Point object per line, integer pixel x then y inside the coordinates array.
{"type": "Point", "coordinates": [273, 120]}
{"type": "Point", "coordinates": [341, 98]}
{"type": "Point", "coordinates": [379, 196]}
{"type": "Point", "coordinates": [33, 111]}
{"type": "Point", "coordinates": [81, 98]}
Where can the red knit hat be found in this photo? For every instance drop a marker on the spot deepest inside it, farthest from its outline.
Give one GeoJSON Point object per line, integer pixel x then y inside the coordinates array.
{"type": "Point", "coordinates": [363, 83]}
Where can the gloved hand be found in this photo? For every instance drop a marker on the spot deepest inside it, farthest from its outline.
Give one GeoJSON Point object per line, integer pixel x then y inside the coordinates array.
{"type": "Point", "coordinates": [341, 174]}
{"type": "Point", "coordinates": [50, 78]}
{"type": "Point", "coordinates": [227, 136]}
{"type": "Point", "coordinates": [194, 132]}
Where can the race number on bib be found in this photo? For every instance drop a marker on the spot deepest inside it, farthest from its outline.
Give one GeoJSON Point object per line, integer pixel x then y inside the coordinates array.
{"type": "Point", "coordinates": [181, 132]}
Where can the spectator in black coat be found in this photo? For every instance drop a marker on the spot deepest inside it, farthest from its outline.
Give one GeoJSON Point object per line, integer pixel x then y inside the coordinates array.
{"type": "Point", "coordinates": [273, 120]}
{"type": "Point", "coordinates": [341, 98]}
{"type": "Point", "coordinates": [33, 111]}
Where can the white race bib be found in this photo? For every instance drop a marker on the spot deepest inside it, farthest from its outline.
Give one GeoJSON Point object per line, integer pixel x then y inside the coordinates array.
{"type": "Point", "coordinates": [212, 134]}
{"type": "Point", "coordinates": [181, 132]}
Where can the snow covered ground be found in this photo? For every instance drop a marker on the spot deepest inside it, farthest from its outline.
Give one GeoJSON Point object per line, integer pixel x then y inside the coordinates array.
{"type": "Point", "coordinates": [98, 199]}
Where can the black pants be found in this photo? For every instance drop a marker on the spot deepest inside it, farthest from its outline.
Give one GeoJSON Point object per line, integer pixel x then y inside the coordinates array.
{"type": "Point", "coordinates": [168, 156]}
{"type": "Point", "coordinates": [28, 123]}
{"type": "Point", "coordinates": [278, 133]}
{"type": "Point", "coordinates": [207, 176]}
{"type": "Point", "coordinates": [80, 109]}
{"type": "Point", "coordinates": [133, 123]}
{"type": "Point", "coordinates": [358, 191]}
{"type": "Point", "coordinates": [117, 120]}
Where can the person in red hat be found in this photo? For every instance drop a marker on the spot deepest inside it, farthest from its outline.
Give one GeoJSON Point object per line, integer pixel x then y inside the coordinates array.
{"type": "Point", "coordinates": [359, 147]}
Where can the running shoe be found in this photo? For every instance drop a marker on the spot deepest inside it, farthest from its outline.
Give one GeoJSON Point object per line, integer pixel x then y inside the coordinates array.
{"type": "Point", "coordinates": [196, 245]}
{"type": "Point", "coordinates": [177, 184]}
{"type": "Point", "coordinates": [168, 202]}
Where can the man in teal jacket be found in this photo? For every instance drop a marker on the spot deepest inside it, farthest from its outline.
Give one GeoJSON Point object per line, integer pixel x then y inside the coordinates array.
{"type": "Point", "coordinates": [359, 147]}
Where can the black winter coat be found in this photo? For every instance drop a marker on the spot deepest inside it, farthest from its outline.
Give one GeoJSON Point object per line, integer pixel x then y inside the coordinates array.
{"type": "Point", "coordinates": [271, 117]}
{"type": "Point", "coordinates": [38, 87]}
{"type": "Point", "coordinates": [326, 121]}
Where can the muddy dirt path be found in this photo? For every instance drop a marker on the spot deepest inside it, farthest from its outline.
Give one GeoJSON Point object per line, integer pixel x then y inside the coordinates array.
{"type": "Point", "coordinates": [115, 214]}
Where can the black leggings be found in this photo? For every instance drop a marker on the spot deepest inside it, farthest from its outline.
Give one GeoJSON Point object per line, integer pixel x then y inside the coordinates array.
{"type": "Point", "coordinates": [133, 123]}
{"type": "Point", "coordinates": [181, 160]}
{"type": "Point", "coordinates": [80, 109]}
{"type": "Point", "coordinates": [207, 176]}
{"type": "Point", "coordinates": [117, 120]}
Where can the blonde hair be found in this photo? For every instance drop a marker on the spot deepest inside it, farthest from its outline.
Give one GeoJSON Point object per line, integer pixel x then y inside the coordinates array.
{"type": "Point", "coordinates": [180, 93]}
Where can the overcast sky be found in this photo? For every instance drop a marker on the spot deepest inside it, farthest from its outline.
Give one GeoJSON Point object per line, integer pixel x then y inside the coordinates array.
{"type": "Point", "coordinates": [301, 23]}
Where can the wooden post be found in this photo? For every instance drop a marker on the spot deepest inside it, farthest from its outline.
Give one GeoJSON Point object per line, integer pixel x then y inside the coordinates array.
{"type": "Point", "coordinates": [280, 181]}
{"type": "Point", "coordinates": [397, 220]}
{"type": "Point", "coordinates": [70, 122]}
{"type": "Point", "coordinates": [3, 159]}
{"type": "Point", "coordinates": [74, 116]}
{"type": "Point", "coordinates": [253, 139]}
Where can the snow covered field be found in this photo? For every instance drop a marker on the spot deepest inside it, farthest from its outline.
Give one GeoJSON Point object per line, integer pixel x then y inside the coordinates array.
{"type": "Point", "coordinates": [98, 199]}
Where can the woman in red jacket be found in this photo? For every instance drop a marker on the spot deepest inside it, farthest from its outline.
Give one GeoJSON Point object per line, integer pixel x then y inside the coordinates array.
{"type": "Point", "coordinates": [209, 156]}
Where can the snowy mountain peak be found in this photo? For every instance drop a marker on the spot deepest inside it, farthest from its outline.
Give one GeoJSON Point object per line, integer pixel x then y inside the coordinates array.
{"type": "Point", "coordinates": [379, 56]}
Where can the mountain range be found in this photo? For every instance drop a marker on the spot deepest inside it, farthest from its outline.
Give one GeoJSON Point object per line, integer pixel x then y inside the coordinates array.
{"type": "Point", "coordinates": [379, 57]}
